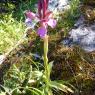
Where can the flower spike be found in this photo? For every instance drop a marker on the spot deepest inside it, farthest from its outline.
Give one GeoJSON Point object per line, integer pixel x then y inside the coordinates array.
{"type": "Point", "coordinates": [44, 17]}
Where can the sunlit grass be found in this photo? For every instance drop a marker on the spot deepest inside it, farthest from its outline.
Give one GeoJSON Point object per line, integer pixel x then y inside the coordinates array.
{"type": "Point", "coordinates": [10, 32]}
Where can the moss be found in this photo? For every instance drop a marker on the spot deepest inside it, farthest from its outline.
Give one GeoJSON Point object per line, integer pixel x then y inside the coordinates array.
{"type": "Point", "coordinates": [74, 66]}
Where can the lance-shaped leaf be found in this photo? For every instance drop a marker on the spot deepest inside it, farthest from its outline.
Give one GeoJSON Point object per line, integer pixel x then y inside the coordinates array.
{"type": "Point", "coordinates": [61, 87]}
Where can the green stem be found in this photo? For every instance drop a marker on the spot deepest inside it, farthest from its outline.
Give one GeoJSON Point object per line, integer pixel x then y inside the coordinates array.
{"type": "Point", "coordinates": [46, 63]}
{"type": "Point", "coordinates": [45, 57]}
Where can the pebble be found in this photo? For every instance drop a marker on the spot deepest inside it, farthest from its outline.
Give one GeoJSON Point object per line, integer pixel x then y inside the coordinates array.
{"type": "Point", "coordinates": [2, 57]}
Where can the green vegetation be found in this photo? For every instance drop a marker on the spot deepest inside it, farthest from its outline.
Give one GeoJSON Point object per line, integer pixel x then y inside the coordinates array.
{"type": "Point", "coordinates": [69, 16]}
{"type": "Point", "coordinates": [11, 31]}
{"type": "Point", "coordinates": [27, 80]}
{"type": "Point", "coordinates": [23, 6]}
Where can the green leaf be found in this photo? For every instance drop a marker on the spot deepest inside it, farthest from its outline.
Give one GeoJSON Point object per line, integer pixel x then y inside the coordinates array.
{"type": "Point", "coordinates": [36, 90]}
{"type": "Point", "coordinates": [61, 87]}
{"type": "Point", "coordinates": [37, 74]}
{"type": "Point", "coordinates": [50, 65]}
{"type": "Point", "coordinates": [2, 93]}
{"type": "Point", "coordinates": [5, 89]}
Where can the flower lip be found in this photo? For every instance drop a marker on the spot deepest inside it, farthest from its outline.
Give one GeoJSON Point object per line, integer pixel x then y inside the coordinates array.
{"type": "Point", "coordinates": [42, 31]}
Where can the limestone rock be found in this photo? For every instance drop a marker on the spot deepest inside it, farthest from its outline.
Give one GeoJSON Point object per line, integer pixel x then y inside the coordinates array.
{"type": "Point", "coordinates": [58, 5]}
{"type": "Point", "coordinates": [82, 35]}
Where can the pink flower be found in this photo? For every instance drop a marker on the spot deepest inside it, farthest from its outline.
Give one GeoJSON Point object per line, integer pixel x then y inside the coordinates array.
{"type": "Point", "coordinates": [44, 17]}
{"type": "Point", "coordinates": [30, 14]}
{"type": "Point", "coordinates": [52, 23]}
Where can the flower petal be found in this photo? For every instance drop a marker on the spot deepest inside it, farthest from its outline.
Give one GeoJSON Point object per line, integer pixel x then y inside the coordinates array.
{"type": "Point", "coordinates": [52, 23]}
{"type": "Point", "coordinates": [49, 14]}
{"type": "Point", "coordinates": [30, 14]}
{"type": "Point", "coordinates": [42, 31]}
{"type": "Point", "coordinates": [30, 23]}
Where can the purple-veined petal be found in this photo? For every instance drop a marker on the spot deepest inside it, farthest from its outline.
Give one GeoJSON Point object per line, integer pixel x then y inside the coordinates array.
{"type": "Point", "coordinates": [52, 23]}
{"type": "Point", "coordinates": [48, 15]}
{"type": "Point", "coordinates": [30, 23]}
{"type": "Point", "coordinates": [42, 31]}
{"type": "Point", "coordinates": [30, 15]}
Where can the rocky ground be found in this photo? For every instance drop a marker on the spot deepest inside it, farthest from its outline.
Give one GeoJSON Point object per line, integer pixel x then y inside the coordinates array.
{"type": "Point", "coordinates": [83, 32]}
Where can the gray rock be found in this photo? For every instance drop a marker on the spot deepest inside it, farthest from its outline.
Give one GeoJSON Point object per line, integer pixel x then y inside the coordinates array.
{"type": "Point", "coordinates": [58, 5]}
{"type": "Point", "coordinates": [83, 35]}
{"type": "Point", "coordinates": [2, 57]}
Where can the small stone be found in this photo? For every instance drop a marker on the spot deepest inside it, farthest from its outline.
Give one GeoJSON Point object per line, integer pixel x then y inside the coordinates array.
{"type": "Point", "coordinates": [2, 57]}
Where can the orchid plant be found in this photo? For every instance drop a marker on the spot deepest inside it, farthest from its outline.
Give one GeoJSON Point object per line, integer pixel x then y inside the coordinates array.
{"type": "Point", "coordinates": [45, 18]}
